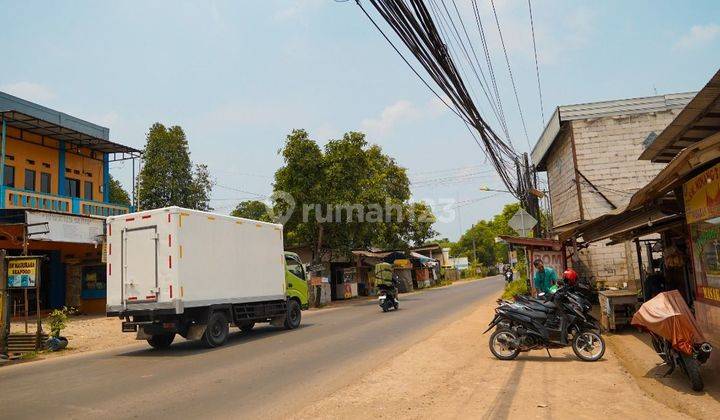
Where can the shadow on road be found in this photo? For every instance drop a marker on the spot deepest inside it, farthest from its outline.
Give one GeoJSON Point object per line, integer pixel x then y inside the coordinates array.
{"type": "Point", "coordinates": [195, 347]}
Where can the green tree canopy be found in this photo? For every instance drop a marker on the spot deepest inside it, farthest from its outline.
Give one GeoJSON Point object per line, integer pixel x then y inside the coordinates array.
{"type": "Point", "coordinates": [252, 209]}
{"type": "Point", "coordinates": [168, 177]}
{"type": "Point", "coordinates": [351, 179]}
{"type": "Point", "coordinates": [118, 195]}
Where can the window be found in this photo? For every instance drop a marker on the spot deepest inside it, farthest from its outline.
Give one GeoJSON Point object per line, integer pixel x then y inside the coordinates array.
{"type": "Point", "coordinates": [9, 176]}
{"type": "Point", "coordinates": [29, 180]}
{"type": "Point", "coordinates": [45, 182]}
{"type": "Point", "coordinates": [88, 190]}
{"type": "Point", "coordinates": [72, 187]}
{"type": "Point", "coordinates": [294, 267]}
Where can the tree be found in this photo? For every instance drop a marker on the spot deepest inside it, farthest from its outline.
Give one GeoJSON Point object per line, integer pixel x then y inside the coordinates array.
{"type": "Point", "coordinates": [252, 209]}
{"type": "Point", "coordinates": [167, 177]}
{"type": "Point", "coordinates": [348, 195]}
{"type": "Point", "coordinates": [484, 232]}
{"type": "Point", "coordinates": [118, 195]}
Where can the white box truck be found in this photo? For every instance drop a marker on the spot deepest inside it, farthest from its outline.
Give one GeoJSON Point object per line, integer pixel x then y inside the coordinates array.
{"type": "Point", "coordinates": [178, 271]}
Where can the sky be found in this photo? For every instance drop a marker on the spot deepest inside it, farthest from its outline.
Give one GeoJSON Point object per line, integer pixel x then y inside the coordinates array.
{"type": "Point", "coordinates": [238, 76]}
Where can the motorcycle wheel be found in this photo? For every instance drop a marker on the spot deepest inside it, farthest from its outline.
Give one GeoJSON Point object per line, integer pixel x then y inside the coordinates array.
{"type": "Point", "coordinates": [499, 344]}
{"type": "Point", "coordinates": [588, 346]}
{"type": "Point", "coordinates": [692, 369]}
{"type": "Point", "coordinates": [396, 304]}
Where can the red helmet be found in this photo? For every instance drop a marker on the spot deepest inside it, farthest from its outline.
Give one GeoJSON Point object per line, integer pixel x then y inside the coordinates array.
{"type": "Point", "coordinates": [570, 277]}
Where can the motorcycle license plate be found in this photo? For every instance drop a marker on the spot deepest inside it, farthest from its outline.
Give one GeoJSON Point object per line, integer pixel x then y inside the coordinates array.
{"type": "Point", "coordinates": [382, 297]}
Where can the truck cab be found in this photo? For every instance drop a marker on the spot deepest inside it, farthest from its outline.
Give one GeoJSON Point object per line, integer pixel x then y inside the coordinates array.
{"type": "Point", "coordinates": [296, 279]}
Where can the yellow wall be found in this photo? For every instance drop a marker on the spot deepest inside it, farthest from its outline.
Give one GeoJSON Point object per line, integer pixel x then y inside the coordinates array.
{"type": "Point", "coordinates": [31, 148]}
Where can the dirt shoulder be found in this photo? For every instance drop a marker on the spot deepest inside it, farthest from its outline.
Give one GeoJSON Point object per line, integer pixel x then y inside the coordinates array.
{"type": "Point", "coordinates": [635, 351]}
{"type": "Point", "coordinates": [452, 374]}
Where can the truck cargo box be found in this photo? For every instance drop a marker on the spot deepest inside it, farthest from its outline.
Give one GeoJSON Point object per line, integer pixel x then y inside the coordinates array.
{"type": "Point", "coordinates": [170, 259]}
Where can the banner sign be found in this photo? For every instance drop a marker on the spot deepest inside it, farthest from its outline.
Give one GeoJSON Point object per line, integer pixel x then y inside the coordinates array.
{"type": "Point", "coordinates": [65, 228]}
{"type": "Point", "coordinates": [702, 196]}
{"type": "Point", "coordinates": [22, 272]}
{"type": "Point", "coordinates": [710, 293]}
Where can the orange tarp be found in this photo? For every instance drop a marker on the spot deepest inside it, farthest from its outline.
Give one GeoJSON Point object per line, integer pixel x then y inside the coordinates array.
{"type": "Point", "coordinates": [668, 316]}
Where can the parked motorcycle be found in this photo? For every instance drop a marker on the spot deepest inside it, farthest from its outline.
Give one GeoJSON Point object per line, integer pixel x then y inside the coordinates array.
{"type": "Point", "coordinates": [675, 334]}
{"type": "Point", "coordinates": [690, 364]}
{"type": "Point", "coordinates": [553, 321]}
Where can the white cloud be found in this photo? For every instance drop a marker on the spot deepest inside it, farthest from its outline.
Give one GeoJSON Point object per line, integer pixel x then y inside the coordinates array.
{"type": "Point", "coordinates": [698, 36]}
{"type": "Point", "coordinates": [399, 112]}
{"type": "Point", "coordinates": [30, 91]}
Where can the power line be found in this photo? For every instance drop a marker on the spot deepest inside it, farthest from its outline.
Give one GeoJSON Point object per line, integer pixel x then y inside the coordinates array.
{"type": "Point", "coordinates": [512, 78]}
{"type": "Point", "coordinates": [412, 22]}
{"type": "Point", "coordinates": [537, 67]}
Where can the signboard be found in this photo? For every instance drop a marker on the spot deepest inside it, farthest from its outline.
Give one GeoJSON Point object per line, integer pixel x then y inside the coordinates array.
{"type": "Point", "coordinates": [513, 257]}
{"type": "Point", "coordinates": [22, 273]}
{"type": "Point", "coordinates": [522, 223]}
{"type": "Point", "coordinates": [461, 263]}
{"type": "Point", "coordinates": [710, 293]}
{"type": "Point", "coordinates": [65, 227]}
{"type": "Point", "coordinates": [552, 259]}
{"type": "Point", "coordinates": [702, 196]}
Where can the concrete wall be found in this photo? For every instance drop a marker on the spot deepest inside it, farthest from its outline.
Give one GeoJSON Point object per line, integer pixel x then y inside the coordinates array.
{"type": "Point", "coordinates": [561, 182]}
{"type": "Point", "coordinates": [606, 151]}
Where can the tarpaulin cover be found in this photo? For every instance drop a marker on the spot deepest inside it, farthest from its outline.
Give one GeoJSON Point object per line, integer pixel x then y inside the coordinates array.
{"type": "Point", "coordinates": [668, 316]}
{"type": "Point", "coordinates": [383, 273]}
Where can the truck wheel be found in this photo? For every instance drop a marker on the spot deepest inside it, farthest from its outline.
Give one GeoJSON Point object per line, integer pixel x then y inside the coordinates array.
{"type": "Point", "coordinates": [292, 319]}
{"type": "Point", "coordinates": [247, 327]}
{"type": "Point", "coordinates": [161, 341]}
{"type": "Point", "coordinates": [217, 330]}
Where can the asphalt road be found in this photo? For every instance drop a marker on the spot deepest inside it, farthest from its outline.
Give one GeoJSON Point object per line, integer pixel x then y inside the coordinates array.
{"type": "Point", "coordinates": [268, 372]}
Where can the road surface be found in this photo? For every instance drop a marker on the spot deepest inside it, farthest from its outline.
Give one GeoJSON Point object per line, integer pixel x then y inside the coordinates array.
{"type": "Point", "coordinates": [266, 373]}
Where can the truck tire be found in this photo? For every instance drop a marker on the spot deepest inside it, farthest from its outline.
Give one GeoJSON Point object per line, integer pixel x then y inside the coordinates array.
{"type": "Point", "coordinates": [216, 331]}
{"type": "Point", "coordinates": [161, 341]}
{"type": "Point", "coordinates": [293, 316]}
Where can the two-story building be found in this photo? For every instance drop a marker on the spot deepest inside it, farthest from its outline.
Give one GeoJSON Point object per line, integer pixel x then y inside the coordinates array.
{"type": "Point", "coordinates": [590, 154]}
{"type": "Point", "coordinates": [54, 194]}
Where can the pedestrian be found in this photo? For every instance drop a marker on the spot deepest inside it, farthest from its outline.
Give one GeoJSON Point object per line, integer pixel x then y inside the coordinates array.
{"type": "Point", "coordinates": [544, 277]}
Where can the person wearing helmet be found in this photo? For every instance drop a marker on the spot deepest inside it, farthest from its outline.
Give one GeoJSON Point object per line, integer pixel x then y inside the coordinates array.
{"type": "Point", "coordinates": [570, 277]}
{"type": "Point", "coordinates": [544, 277]}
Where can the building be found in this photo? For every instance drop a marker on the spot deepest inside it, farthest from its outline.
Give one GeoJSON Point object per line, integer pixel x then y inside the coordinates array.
{"type": "Point", "coordinates": [589, 152]}
{"type": "Point", "coordinates": [681, 205]}
{"type": "Point", "coordinates": [54, 182]}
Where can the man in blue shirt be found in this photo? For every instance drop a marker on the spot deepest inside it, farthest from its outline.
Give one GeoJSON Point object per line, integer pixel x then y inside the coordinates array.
{"type": "Point", "coordinates": [544, 277]}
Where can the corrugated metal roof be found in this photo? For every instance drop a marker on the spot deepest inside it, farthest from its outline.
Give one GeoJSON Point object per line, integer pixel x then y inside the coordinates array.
{"type": "Point", "coordinates": [592, 110]}
{"type": "Point", "coordinates": [699, 119]}
{"type": "Point", "coordinates": [44, 121]}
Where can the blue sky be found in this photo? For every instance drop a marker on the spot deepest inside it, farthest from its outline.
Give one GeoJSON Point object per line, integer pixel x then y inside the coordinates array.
{"type": "Point", "coordinates": [239, 75]}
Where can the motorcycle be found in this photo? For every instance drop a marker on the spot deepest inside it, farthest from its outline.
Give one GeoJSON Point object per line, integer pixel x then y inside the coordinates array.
{"type": "Point", "coordinates": [553, 321]}
{"type": "Point", "coordinates": [508, 276]}
{"type": "Point", "coordinates": [388, 295]}
{"type": "Point", "coordinates": [675, 335]}
{"type": "Point", "coordinates": [690, 364]}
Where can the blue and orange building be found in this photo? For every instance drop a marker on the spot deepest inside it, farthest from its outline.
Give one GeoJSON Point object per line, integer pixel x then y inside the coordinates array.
{"type": "Point", "coordinates": [54, 179]}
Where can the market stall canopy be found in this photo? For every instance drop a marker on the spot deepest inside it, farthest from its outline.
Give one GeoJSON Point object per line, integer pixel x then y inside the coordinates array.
{"type": "Point", "coordinates": [699, 119]}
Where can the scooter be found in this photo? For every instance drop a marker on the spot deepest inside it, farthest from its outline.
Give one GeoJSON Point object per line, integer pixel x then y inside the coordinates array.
{"type": "Point", "coordinates": [508, 276]}
{"type": "Point", "coordinates": [388, 296]}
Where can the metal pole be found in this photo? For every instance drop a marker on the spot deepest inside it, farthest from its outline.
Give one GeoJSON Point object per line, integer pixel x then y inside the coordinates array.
{"type": "Point", "coordinates": [2, 157]}
{"type": "Point", "coordinates": [134, 204]}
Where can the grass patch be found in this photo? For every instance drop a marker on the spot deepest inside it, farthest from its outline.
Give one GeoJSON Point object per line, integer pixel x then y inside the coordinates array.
{"type": "Point", "coordinates": [515, 288]}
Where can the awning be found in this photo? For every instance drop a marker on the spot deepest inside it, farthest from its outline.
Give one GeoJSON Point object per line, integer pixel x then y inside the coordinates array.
{"type": "Point", "coordinates": [655, 203]}
{"type": "Point", "coordinates": [699, 119]}
{"type": "Point", "coordinates": [532, 242]}
{"type": "Point", "coordinates": [43, 121]}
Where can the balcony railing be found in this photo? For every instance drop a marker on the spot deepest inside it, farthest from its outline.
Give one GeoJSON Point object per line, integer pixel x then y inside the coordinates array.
{"type": "Point", "coordinates": [14, 198]}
